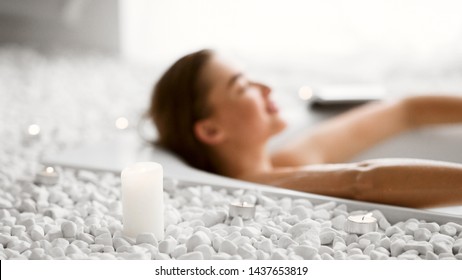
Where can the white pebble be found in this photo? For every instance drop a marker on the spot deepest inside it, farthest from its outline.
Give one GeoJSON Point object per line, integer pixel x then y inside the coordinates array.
{"type": "Point", "coordinates": [167, 245]}
{"type": "Point", "coordinates": [441, 243]}
{"type": "Point", "coordinates": [250, 231]}
{"type": "Point", "coordinates": [422, 234]}
{"type": "Point", "coordinates": [211, 218]}
{"type": "Point", "coordinates": [373, 237]}
{"type": "Point", "coordinates": [192, 256]}
{"type": "Point", "coordinates": [247, 252]}
{"type": "Point", "coordinates": [179, 251]}
{"type": "Point", "coordinates": [322, 214]}
{"type": "Point", "coordinates": [393, 230]}
{"type": "Point", "coordinates": [69, 229]}
{"type": "Point", "coordinates": [57, 252]}
{"type": "Point", "coordinates": [54, 234]}
{"type": "Point", "coordinates": [104, 239]}
{"type": "Point", "coordinates": [301, 212]}
{"type": "Point", "coordinates": [206, 250]}
{"type": "Point", "coordinates": [37, 233]}
{"type": "Point", "coordinates": [327, 236]}
{"type": "Point", "coordinates": [306, 252]}
{"type": "Point", "coordinates": [146, 237]}
{"type": "Point", "coordinates": [198, 238]}
{"type": "Point", "coordinates": [237, 221]}
{"type": "Point", "coordinates": [266, 245]}
{"type": "Point", "coordinates": [228, 247]}
{"type": "Point", "coordinates": [4, 203]}
{"type": "Point", "coordinates": [397, 247]}
{"type": "Point", "coordinates": [377, 255]}
{"type": "Point", "coordinates": [432, 227]}
{"type": "Point", "coordinates": [448, 230]}
{"type": "Point", "coordinates": [420, 246]}
{"type": "Point", "coordinates": [339, 222]}
{"type": "Point", "coordinates": [119, 241]}
{"type": "Point", "coordinates": [286, 241]}
{"type": "Point", "coordinates": [88, 238]}
{"type": "Point", "coordinates": [267, 231]}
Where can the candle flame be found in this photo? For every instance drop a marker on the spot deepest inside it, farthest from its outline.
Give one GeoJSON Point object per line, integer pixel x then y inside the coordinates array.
{"type": "Point", "coordinates": [33, 129]}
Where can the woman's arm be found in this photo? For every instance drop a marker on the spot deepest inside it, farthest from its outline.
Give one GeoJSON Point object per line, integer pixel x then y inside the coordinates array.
{"type": "Point", "coordinates": [342, 137]}
{"type": "Point", "coordinates": [410, 183]}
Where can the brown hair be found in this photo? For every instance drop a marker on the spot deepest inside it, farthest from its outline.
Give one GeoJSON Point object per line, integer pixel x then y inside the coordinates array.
{"type": "Point", "coordinates": [179, 100]}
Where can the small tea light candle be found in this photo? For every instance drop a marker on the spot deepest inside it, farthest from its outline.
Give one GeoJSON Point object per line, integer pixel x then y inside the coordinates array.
{"type": "Point", "coordinates": [361, 224]}
{"type": "Point", "coordinates": [242, 209]}
{"type": "Point", "coordinates": [143, 199]}
{"type": "Point", "coordinates": [48, 176]}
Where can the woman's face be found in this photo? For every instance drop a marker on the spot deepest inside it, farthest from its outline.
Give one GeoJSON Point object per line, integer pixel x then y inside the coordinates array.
{"type": "Point", "coordinates": [241, 107]}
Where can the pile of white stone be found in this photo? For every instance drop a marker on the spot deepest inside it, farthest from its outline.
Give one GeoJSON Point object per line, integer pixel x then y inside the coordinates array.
{"type": "Point", "coordinates": [80, 218]}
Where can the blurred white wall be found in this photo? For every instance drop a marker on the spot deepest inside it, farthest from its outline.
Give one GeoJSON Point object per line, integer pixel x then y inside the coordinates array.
{"type": "Point", "coordinates": [89, 24]}
{"type": "Point", "coordinates": [292, 30]}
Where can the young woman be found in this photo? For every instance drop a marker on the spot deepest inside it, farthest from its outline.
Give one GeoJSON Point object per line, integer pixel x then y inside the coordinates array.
{"type": "Point", "coordinates": [217, 119]}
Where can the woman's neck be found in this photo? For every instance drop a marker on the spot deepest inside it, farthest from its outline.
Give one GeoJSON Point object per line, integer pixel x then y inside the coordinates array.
{"type": "Point", "coordinates": [242, 162]}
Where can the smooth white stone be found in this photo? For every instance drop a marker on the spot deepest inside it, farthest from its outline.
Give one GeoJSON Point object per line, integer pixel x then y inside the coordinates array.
{"type": "Point", "coordinates": [301, 212]}
{"type": "Point", "coordinates": [339, 222]}
{"type": "Point", "coordinates": [441, 243]}
{"type": "Point", "coordinates": [267, 231]}
{"type": "Point", "coordinates": [88, 238]}
{"type": "Point", "coordinates": [397, 247]}
{"type": "Point", "coordinates": [322, 214]}
{"type": "Point", "coordinates": [192, 256]}
{"type": "Point", "coordinates": [18, 230]}
{"type": "Point", "coordinates": [179, 251]}
{"type": "Point", "coordinates": [247, 252]}
{"type": "Point", "coordinates": [250, 231]}
{"type": "Point", "coordinates": [118, 241]}
{"type": "Point", "coordinates": [457, 246]}
{"type": "Point", "coordinates": [206, 250]}
{"type": "Point", "coordinates": [393, 230]}
{"type": "Point", "coordinates": [432, 227]}
{"type": "Point", "coordinates": [422, 234]}
{"type": "Point", "coordinates": [359, 257]}
{"type": "Point", "coordinates": [54, 234]}
{"type": "Point", "coordinates": [198, 238]}
{"type": "Point", "coordinates": [105, 239]}
{"type": "Point", "coordinates": [306, 252]}
{"type": "Point", "coordinates": [167, 245]}
{"type": "Point", "coordinates": [146, 237]}
{"type": "Point", "coordinates": [327, 236]}
{"type": "Point", "coordinates": [448, 230]}
{"type": "Point", "coordinates": [420, 246]}
{"type": "Point", "coordinates": [377, 255]}
{"type": "Point", "coordinates": [217, 240]}
{"type": "Point", "coordinates": [237, 221]}
{"type": "Point", "coordinates": [212, 218]}
{"type": "Point", "coordinates": [266, 245]}
{"type": "Point", "coordinates": [69, 229]}
{"type": "Point", "coordinates": [286, 241]}
{"type": "Point", "coordinates": [339, 255]}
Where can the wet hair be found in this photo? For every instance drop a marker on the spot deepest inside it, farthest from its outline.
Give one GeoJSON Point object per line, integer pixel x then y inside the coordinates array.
{"type": "Point", "coordinates": [179, 100]}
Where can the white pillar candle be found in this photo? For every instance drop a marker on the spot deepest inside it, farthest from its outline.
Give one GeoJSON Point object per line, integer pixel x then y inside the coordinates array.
{"type": "Point", "coordinates": [143, 199]}
{"type": "Point", "coordinates": [361, 224]}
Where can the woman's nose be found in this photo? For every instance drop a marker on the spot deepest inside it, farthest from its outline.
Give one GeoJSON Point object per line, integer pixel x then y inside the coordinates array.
{"type": "Point", "coordinates": [266, 90]}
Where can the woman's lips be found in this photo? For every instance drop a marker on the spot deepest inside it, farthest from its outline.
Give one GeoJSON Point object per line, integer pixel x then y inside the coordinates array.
{"type": "Point", "coordinates": [272, 108]}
